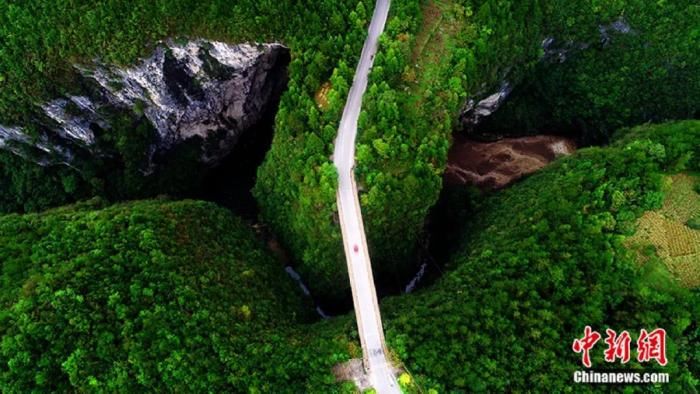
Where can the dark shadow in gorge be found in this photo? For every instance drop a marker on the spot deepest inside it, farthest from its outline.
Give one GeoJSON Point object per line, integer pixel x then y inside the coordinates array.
{"type": "Point", "coordinates": [494, 166]}
{"type": "Point", "coordinates": [445, 229]}
{"type": "Point", "coordinates": [230, 184]}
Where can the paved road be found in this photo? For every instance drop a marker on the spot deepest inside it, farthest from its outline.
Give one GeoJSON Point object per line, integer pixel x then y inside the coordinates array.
{"type": "Point", "coordinates": [359, 267]}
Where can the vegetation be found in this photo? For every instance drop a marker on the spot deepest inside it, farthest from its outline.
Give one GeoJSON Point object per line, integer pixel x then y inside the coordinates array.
{"type": "Point", "coordinates": [296, 184]}
{"type": "Point", "coordinates": [118, 175]}
{"type": "Point", "coordinates": [151, 296]}
{"type": "Point", "coordinates": [160, 295]}
{"type": "Point", "coordinates": [620, 79]}
{"type": "Point", "coordinates": [41, 41]}
{"type": "Point", "coordinates": [433, 56]}
{"type": "Point", "coordinates": [421, 77]}
{"type": "Point", "coordinates": [544, 258]}
{"type": "Point", "coordinates": [178, 296]}
{"type": "Point", "coordinates": [25, 186]}
{"type": "Point", "coordinates": [670, 234]}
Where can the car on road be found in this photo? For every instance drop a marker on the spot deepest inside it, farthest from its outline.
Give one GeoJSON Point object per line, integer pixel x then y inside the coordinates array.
{"type": "Point", "coordinates": [355, 248]}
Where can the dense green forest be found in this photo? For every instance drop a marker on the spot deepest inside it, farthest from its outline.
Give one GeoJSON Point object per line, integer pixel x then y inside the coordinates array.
{"type": "Point", "coordinates": [421, 77]}
{"type": "Point", "coordinates": [645, 72]}
{"type": "Point", "coordinates": [151, 296]}
{"type": "Point", "coordinates": [433, 57]}
{"type": "Point", "coordinates": [163, 295]}
{"type": "Point", "coordinates": [539, 261]}
{"type": "Point", "coordinates": [40, 42]}
{"type": "Point", "coordinates": [167, 295]}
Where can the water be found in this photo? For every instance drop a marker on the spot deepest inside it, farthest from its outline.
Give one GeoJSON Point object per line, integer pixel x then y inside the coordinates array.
{"type": "Point", "coordinates": [416, 279]}
{"type": "Point", "coordinates": [297, 278]}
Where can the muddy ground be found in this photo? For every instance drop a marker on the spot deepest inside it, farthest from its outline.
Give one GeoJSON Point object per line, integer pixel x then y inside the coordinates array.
{"type": "Point", "coordinates": [494, 165]}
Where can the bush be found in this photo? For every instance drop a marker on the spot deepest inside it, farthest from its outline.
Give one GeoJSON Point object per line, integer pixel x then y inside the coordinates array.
{"type": "Point", "coordinates": [693, 223]}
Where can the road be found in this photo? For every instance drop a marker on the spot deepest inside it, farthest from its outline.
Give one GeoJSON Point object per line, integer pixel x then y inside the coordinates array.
{"type": "Point", "coordinates": [369, 322]}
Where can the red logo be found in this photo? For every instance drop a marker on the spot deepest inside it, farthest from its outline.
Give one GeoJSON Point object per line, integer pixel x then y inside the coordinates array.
{"type": "Point", "coordinates": [650, 346]}
{"type": "Point", "coordinates": [618, 346]}
{"type": "Point", "coordinates": [585, 344]}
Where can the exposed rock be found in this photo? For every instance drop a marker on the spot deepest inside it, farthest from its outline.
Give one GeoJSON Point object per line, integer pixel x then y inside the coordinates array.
{"type": "Point", "coordinates": [353, 371]}
{"type": "Point", "coordinates": [203, 90]}
{"type": "Point", "coordinates": [200, 89]}
{"type": "Point", "coordinates": [619, 26]}
{"type": "Point", "coordinates": [556, 51]}
{"type": "Point", "coordinates": [297, 278]}
{"type": "Point", "coordinates": [9, 135]}
{"type": "Point", "coordinates": [75, 125]}
{"type": "Point", "coordinates": [416, 279]}
{"type": "Point", "coordinates": [493, 165]}
{"type": "Point", "coordinates": [474, 112]}
{"type": "Point", "coordinates": [43, 152]}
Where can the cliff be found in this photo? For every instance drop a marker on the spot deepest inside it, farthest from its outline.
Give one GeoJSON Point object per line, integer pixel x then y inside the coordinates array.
{"type": "Point", "coordinates": [202, 92]}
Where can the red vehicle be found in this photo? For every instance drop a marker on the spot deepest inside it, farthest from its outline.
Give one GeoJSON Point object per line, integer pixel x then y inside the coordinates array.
{"type": "Point", "coordinates": [355, 248]}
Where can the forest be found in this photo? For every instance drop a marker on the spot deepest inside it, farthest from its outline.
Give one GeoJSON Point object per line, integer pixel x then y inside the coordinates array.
{"type": "Point", "coordinates": [179, 295]}
{"type": "Point", "coordinates": [430, 62]}
{"type": "Point", "coordinates": [433, 57]}
{"type": "Point", "coordinates": [153, 295]}
{"type": "Point", "coordinates": [57, 36]}
{"type": "Point", "coordinates": [112, 280]}
{"type": "Point", "coordinates": [539, 261]}
{"type": "Point", "coordinates": [642, 73]}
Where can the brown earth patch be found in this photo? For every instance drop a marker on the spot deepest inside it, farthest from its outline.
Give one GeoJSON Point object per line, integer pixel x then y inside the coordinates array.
{"type": "Point", "coordinates": [494, 165]}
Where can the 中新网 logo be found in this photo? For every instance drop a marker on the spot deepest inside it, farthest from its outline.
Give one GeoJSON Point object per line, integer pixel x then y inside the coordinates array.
{"type": "Point", "coordinates": [650, 346]}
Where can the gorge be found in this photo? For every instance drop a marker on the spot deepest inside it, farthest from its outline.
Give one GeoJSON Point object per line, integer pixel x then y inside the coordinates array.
{"type": "Point", "coordinates": [168, 193]}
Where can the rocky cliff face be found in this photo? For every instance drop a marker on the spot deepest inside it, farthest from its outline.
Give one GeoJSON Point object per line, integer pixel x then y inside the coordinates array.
{"type": "Point", "coordinates": [201, 92]}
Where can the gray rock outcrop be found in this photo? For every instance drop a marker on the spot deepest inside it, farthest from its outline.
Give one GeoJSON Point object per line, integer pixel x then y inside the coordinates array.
{"type": "Point", "coordinates": [474, 112]}
{"type": "Point", "coordinates": [203, 91]}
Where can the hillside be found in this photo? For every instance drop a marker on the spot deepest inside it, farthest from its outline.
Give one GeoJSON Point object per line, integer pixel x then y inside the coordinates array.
{"type": "Point", "coordinates": [44, 43]}
{"type": "Point", "coordinates": [434, 58]}
{"type": "Point", "coordinates": [164, 162]}
{"type": "Point", "coordinates": [162, 295]}
{"type": "Point", "coordinates": [150, 296]}
{"type": "Point", "coordinates": [546, 257]}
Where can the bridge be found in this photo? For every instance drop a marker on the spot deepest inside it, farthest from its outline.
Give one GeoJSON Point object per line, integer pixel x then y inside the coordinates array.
{"type": "Point", "coordinates": [369, 322]}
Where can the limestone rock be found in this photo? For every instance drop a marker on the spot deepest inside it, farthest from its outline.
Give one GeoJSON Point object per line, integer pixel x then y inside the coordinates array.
{"type": "Point", "coordinates": [203, 91]}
